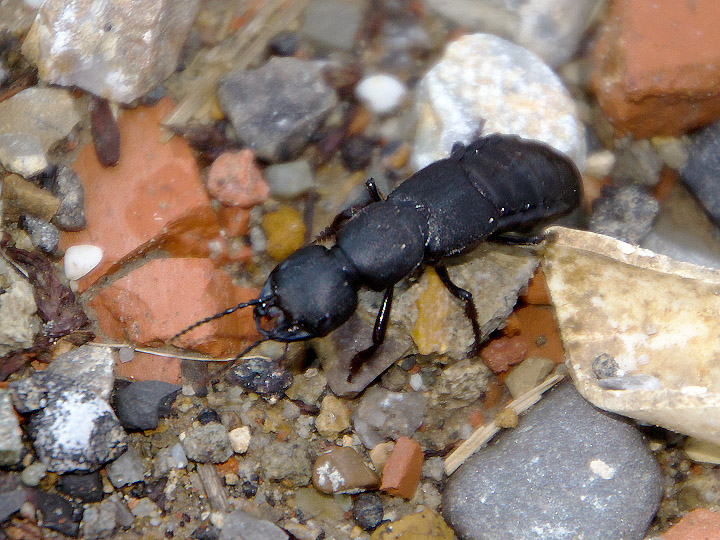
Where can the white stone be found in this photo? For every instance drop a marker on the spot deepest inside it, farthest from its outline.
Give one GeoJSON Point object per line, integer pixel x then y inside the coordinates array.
{"type": "Point", "coordinates": [80, 260]}
{"type": "Point", "coordinates": [484, 84]}
{"type": "Point", "coordinates": [22, 154]}
{"type": "Point", "coordinates": [240, 439]}
{"type": "Point", "coordinates": [381, 93]}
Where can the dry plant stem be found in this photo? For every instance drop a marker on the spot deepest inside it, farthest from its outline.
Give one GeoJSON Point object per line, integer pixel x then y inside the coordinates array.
{"type": "Point", "coordinates": [164, 354]}
{"type": "Point", "coordinates": [239, 53]}
{"type": "Point", "coordinates": [213, 486]}
{"type": "Point", "coordinates": [482, 435]}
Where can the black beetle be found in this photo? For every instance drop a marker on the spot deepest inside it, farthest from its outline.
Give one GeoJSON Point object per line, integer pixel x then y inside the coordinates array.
{"type": "Point", "coordinates": [492, 186]}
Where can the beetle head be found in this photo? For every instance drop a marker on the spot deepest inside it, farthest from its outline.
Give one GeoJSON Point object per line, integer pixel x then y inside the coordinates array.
{"type": "Point", "coordinates": [307, 295]}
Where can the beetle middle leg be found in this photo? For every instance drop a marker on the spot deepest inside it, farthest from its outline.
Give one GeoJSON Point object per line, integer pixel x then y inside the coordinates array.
{"type": "Point", "coordinates": [466, 298]}
{"type": "Point", "coordinates": [379, 330]}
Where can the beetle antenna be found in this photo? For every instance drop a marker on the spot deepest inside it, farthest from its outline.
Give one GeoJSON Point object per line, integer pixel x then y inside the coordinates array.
{"type": "Point", "coordinates": [217, 316]}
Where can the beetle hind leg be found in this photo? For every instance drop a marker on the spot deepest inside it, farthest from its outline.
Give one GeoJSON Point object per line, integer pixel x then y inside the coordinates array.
{"type": "Point", "coordinates": [379, 330]}
{"type": "Point", "coordinates": [467, 299]}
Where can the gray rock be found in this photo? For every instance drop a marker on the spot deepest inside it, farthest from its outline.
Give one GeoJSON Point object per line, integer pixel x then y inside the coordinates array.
{"type": "Point", "coordinates": [486, 84]}
{"type": "Point", "coordinates": [172, 457]}
{"type": "Point", "coordinates": [125, 470]}
{"type": "Point", "coordinates": [289, 180]}
{"type": "Point", "coordinates": [11, 448]}
{"type": "Point", "coordinates": [626, 214]}
{"type": "Point", "coordinates": [702, 170]}
{"type": "Point", "coordinates": [89, 366]}
{"type": "Point", "coordinates": [67, 187]}
{"type": "Point", "coordinates": [18, 322]}
{"type": "Point", "coordinates": [207, 444]}
{"type": "Point", "coordinates": [552, 29]}
{"type": "Point", "coordinates": [22, 154]}
{"type": "Point", "coordinates": [43, 235]}
{"type": "Point", "coordinates": [567, 471]}
{"type": "Point", "coordinates": [10, 502]}
{"type": "Point", "coordinates": [116, 50]}
{"type": "Point", "coordinates": [286, 461]}
{"type": "Point", "coordinates": [636, 162]}
{"type": "Point", "coordinates": [240, 524]}
{"type": "Point", "coordinates": [276, 108]}
{"type": "Point", "coordinates": [47, 114]}
{"type": "Point", "coordinates": [333, 24]}
{"type": "Point", "coordinates": [88, 487]}
{"type": "Point", "coordinates": [384, 415]}
{"type": "Point", "coordinates": [140, 404]}
{"type": "Point", "coordinates": [33, 474]}
{"type": "Point", "coordinates": [100, 520]}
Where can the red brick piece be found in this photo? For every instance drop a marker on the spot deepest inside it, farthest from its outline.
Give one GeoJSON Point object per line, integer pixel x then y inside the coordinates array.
{"type": "Point", "coordinates": [150, 367]}
{"type": "Point", "coordinates": [502, 352]}
{"type": "Point", "coordinates": [154, 197]}
{"type": "Point", "coordinates": [235, 180]}
{"type": "Point", "coordinates": [163, 297]}
{"type": "Point", "coordinates": [657, 66]}
{"type": "Point", "coordinates": [700, 524]}
{"type": "Point", "coordinates": [401, 473]}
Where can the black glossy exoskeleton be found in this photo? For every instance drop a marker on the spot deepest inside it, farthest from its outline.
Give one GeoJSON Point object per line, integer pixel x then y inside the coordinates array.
{"type": "Point", "coordinates": [492, 186]}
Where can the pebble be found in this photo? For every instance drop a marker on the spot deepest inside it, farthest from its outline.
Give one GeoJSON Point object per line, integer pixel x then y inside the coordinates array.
{"type": "Point", "coordinates": [240, 439]}
{"type": "Point", "coordinates": [277, 107]}
{"type": "Point", "coordinates": [207, 444]}
{"type": "Point", "coordinates": [368, 510]}
{"type": "Point", "coordinates": [567, 470]}
{"type": "Point", "coordinates": [144, 507]}
{"type": "Point", "coordinates": [356, 152]}
{"type": "Point", "coordinates": [401, 473]}
{"type": "Point", "coordinates": [235, 180]}
{"type": "Point", "coordinates": [284, 232]}
{"type": "Point", "coordinates": [126, 469]}
{"type": "Point", "coordinates": [57, 513]}
{"type": "Point", "coordinates": [101, 520]}
{"type": "Point", "coordinates": [18, 322]}
{"type": "Point", "coordinates": [703, 168]}
{"type": "Point", "coordinates": [80, 260]}
{"type": "Point", "coordinates": [636, 162]}
{"type": "Point", "coordinates": [87, 487]}
{"type": "Point", "coordinates": [168, 458]}
{"type": "Point", "coordinates": [287, 461]}
{"type": "Point", "coordinates": [239, 524]}
{"type": "Point", "coordinates": [308, 386]}
{"type": "Point", "coordinates": [699, 524]}
{"type": "Point", "coordinates": [333, 24]}
{"type": "Point", "coordinates": [485, 83]}
{"type": "Point", "coordinates": [93, 45]}
{"type": "Point", "coordinates": [11, 447]}
{"type": "Point", "coordinates": [381, 93]}
{"type": "Point", "coordinates": [342, 470]}
{"type": "Point", "coordinates": [140, 404]}
{"type": "Point", "coordinates": [10, 502]}
{"type": "Point", "coordinates": [33, 474]}
{"type": "Point", "coordinates": [24, 197]}
{"type": "Point", "coordinates": [284, 43]}
{"type": "Point", "coordinates": [625, 213]}
{"type": "Point", "coordinates": [44, 235]}
{"type": "Point", "coordinates": [263, 376]}
{"type": "Point", "coordinates": [528, 374]}
{"type": "Point", "coordinates": [383, 415]}
{"type": "Point", "coordinates": [425, 525]}
{"type": "Point", "coordinates": [22, 154]}
{"type": "Point", "coordinates": [334, 417]}
{"type": "Point", "coordinates": [105, 132]}
{"type": "Point", "coordinates": [289, 180]}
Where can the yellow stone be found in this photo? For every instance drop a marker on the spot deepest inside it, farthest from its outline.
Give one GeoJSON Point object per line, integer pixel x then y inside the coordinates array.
{"type": "Point", "coordinates": [284, 230]}
{"type": "Point", "coordinates": [429, 333]}
{"type": "Point", "coordinates": [426, 525]}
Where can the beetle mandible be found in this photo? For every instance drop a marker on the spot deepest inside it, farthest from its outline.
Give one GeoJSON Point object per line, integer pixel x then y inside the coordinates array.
{"type": "Point", "coordinates": [485, 189]}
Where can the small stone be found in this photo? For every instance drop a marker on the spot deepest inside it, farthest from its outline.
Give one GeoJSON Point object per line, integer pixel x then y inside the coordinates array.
{"type": "Point", "coordinates": [703, 167]}
{"type": "Point", "coordinates": [308, 386]}
{"type": "Point", "coordinates": [43, 234]}
{"type": "Point", "coordinates": [285, 232]}
{"type": "Point", "coordinates": [140, 404]}
{"type": "Point", "coordinates": [172, 457]}
{"type": "Point", "coordinates": [626, 214]}
{"type": "Point", "coordinates": [235, 180]}
{"type": "Point", "coordinates": [144, 507]}
{"type": "Point", "coordinates": [502, 352]}
{"type": "Point", "coordinates": [289, 180]}
{"type": "Point", "coordinates": [702, 451]}
{"type": "Point", "coordinates": [240, 439]}
{"type": "Point", "coordinates": [33, 474]}
{"type": "Point", "coordinates": [10, 502]}
{"type": "Point", "coordinates": [80, 260]}
{"type": "Point", "coordinates": [22, 154]}
{"type": "Point", "coordinates": [333, 24]}
{"type": "Point", "coordinates": [368, 510]}
{"type": "Point", "coordinates": [284, 43]}
{"type": "Point", "coordinates": [381, 93]}
{"type": "Point", "coordinates": [699, 524]}
{"type": "Point", "coordinates": [380, 453]}
{"type": "Point", "coordinates": [276, 109]}
{"type": "Point", "coordinates": [528, 374]}
{"type": "Point", "coordinates": [239, 524]}
{"type": "Point", "coordinates": [383, 415]}
{"type": "Point", "coordinates": [434, 303]}
{"type": "Point", "coordinates": [11, 447]}
{"type": "Point", "coordinates": [101, 520]}
{"type": "Point", "coordinates": [18, 322]}
{"type": "Point", "coordinates": [507, 418]}
{"type": "Point", "coordinates": [57, 513]}
{"type": "Point", "coordinates": [207, 416]}
{"type": "Point", "coordinates": [401, 473]}
{"type": "Point", "coordinates": [342, 470]}
{"type": "Point", "coordinates": [262, 376]}
{"type": "Point", "coordinates": [94, 44]}
{"type": "Point", "coordinates": [423, 525]}
{"type": "Point", "coordinates": [599, 164]}
{"type": "Point", "coordinates": [87, 487]}
{"type": "Point", "coordinates": [334, 417]}
{"type": "Point", "coordinates": [484, 83]}
{"type": "Point", "coordinates": [23, 197]}
{"type": "Point", "coordinates": [125, 470]}
{"type": "Point", "coordinates": [356, 152]}
{"type": "Point", "coordinates": [207, 444]}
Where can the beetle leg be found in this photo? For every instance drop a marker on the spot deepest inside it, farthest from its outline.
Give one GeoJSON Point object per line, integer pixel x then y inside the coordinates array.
{"type": "Point", "coordinates": [466, 298]}
{"type": "Point", "coordinates": [378, 336]}
{"type": "Point", "coordinates": [518, 238]}
{"type": "Point", "coordinates": [349, 213]}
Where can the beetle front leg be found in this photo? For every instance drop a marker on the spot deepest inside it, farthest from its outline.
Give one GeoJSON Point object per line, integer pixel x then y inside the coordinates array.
{"type": "Point", "coordinates": [349, 213]}
{"type": "Point", "coordinates": [466, 298]}
{"type": "Point", "coordinates": [379, 330]}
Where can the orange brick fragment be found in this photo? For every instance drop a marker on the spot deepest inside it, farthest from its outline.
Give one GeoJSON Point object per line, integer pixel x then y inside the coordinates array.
{"type": "Point", "coordinates": [502, 352]}
{"type": "Point", "coordinates": [401, 473]}
{"type": "Point", "coordinates": [700, 524]}
{"type": "Point", "coordinates": [537, 291]}
{"type": "Point", "coordinates": [149, 367]}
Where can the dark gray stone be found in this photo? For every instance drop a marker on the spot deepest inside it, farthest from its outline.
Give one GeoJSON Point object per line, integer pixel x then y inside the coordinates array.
{"type": "Point", "coordinates": [84, 486]}
{"type": "Point", "coordinates": [125, 470]}
{"type": "Point", "coordinates": [67, 187]}
{"type": "Point", "coordinates": [10, 502]}
{"type": "Point", "coordinates": [567, 471]}
{"type": "Point", "coordinates": [276, 109]}
{"type": "Point", "coordinates": [240, 524]}
{"type": "Point", "coordinates": [140, 404]}
{"type": "Point", "coordinates": [43, 235]}
{"type": "Point", "coordinates": [702, 170]}
{"type": "Point", "coordinates": [626, 213]}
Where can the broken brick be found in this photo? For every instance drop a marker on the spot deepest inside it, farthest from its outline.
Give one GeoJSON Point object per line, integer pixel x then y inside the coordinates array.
{"type": "Point", "coordinates": [401, 473]}
{"type": "Point", "coordinates": [700, 524]}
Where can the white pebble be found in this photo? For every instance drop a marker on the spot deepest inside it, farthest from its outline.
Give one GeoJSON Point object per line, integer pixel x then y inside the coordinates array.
{"type": "Point", "coordinates": [81, 259]}
{"type": "Point", "coordinates": [240, 439]}
{"type": "Point", "coordinates": [380, 93]}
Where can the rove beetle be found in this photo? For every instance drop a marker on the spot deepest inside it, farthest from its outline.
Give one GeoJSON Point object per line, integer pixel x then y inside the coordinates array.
{"type": "Point", "coordinates": [490, 187]}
